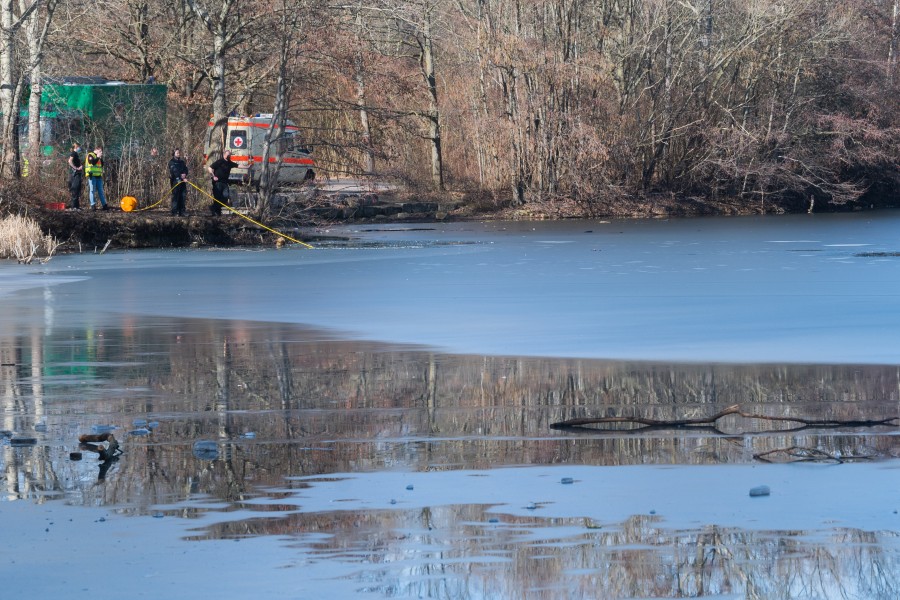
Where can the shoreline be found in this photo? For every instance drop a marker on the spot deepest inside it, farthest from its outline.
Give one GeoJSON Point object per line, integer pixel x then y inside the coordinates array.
{"type": "Point", "coordinates": [94, 230]}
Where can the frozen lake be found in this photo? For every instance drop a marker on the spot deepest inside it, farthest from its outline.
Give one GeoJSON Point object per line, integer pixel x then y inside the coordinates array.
{"type": "Point", "coordinates": [374, 416]}
{"type": "Point", "coordinates": [806, 288]}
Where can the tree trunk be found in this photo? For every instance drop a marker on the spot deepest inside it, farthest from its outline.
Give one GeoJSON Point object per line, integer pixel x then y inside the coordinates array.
{"type": "Point", "coordinates": [268, 177]}
{"type": "Point", "coordinates": [892, 49]}
{"type": "Point", "coordinates": [218, 27]}
{"type": "Point", "coordinates": [512, 115]}
{"type": "Point", "coordinates": [216, 141]}
{"type": "Point", "coordinates": [358, 66]}
{"type": "Point", "coordinates": [369, 168]}
{"type": "Point", "coordinates": [434, 121]}
{"type": "Point", "coordinates": [10, 24]}
{"type": "Point", "coordinates": [272, 145]}
{"type": "Point", "coordinates": [36, 33]}
{"type": "Point", "coordinates": [8, 164]}
{"type": "Point", "coordinates": [33, 156]}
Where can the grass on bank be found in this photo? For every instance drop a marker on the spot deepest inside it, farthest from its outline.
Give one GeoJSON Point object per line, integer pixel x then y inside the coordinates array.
{"type": "Point", "coordinates": [21, 238]}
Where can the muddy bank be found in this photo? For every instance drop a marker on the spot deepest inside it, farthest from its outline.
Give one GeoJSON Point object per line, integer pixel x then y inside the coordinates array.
{"type": "Point", "coordinates": [89, 231]}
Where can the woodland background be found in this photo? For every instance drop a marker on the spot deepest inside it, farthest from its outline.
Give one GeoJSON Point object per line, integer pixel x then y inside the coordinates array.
{"type": "Point", "coordinates": [583, 102]}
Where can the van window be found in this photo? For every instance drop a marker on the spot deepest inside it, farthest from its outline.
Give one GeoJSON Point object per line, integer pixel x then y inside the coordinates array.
{"type": "Point", "coordinates": [237, 139]}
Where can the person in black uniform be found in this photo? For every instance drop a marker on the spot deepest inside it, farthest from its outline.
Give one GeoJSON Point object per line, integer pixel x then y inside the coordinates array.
{"type": "Point", "coordinates": [220, 170]}
{"type": "Point", "coordinates": [76, 177]}
{"type": "Point", "coordinates": [178, 173]}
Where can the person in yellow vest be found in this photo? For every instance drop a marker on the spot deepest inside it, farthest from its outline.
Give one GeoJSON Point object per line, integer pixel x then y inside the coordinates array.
{"type": "Point", "coordinates": [94, 172]}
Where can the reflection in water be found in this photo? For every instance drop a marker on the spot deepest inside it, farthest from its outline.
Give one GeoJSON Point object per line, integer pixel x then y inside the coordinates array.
{"type": "Point", "coordinates": [277, 401]}
{"type": "Point", "coordinates": [525, 558]}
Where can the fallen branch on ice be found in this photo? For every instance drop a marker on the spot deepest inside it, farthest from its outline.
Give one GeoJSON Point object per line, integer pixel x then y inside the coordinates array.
{"type": "Point", "coordinates": [711, 421]}
{"type": "Point", "coordinates": [801, 454]}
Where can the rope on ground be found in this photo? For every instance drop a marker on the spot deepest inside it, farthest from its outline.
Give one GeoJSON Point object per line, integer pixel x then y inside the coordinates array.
{"type": "Point", "coordinates": [158, 202]}
{"type": "Point", "coordinates": [243, 216]}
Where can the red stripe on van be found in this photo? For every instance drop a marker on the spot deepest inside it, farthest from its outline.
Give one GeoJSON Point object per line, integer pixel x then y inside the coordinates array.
{"type": "Point", "coordinates": [287, 161]}
{"type": "Point", "coordinates": [259, 125]}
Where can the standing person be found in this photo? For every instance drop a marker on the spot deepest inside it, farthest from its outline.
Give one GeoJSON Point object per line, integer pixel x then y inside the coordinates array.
{"type": "Point", "coordinates": [75, 177]}
{"type": "Point", "coordinates": [220, 171]}
{"type": "Point", "coordinates": [94, 172]}
{"type": "Point", "coordinates": [178, 173]}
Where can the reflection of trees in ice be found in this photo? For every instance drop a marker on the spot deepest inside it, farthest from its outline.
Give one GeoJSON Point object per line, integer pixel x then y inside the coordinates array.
{"type": "Point", "coordinates": [27, 470]}
{"type": "Point", "coordinates": [457, 552]}
{"type": "Point", "coordinates": [318, 407]}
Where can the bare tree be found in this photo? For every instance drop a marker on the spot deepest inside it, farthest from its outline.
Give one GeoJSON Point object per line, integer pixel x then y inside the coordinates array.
{"type": "Point", "coordinates": [359, 76]}
{"type": "Point", "coordinates": [227, 31]}
{"type": "Point", "coordinates": [36, 31]}
{"type": "Point", "coordinates": [892, 48]}
{"type": "Point", "coordinates": [134, 36]}
{"type": "Point", "coordinates": [408, 30]}
{"type": "Point", "coordinates": [287, 28]}
{"type": "Point", "coordinates": [425, 40]}
{"type": "Point", "coordinates": [13, 16]}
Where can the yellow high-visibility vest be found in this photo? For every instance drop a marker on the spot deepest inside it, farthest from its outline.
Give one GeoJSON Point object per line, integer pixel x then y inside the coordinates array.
{"type": "Point", "coordinates": [93, 170]}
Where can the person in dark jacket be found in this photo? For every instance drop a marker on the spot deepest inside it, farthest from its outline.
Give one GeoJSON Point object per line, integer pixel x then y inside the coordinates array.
{"type": "Point", "coordinates": [76, 177]}
{"type": "Point", "coordinates": [178, 173]}
{"type": "Point", "coordinates": [220, 170]}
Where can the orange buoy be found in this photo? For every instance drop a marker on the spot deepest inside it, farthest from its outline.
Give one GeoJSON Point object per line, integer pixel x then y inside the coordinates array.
{"type": "Point", "coordinates": [129, 203]}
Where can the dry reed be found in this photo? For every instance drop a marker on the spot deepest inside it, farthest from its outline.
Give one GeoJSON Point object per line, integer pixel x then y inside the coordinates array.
{"type": "Point", "coordinates": [21, 238]}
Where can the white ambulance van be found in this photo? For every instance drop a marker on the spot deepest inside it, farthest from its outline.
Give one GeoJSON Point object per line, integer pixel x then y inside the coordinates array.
{"type": "Point", "coordinates": [245, 137]}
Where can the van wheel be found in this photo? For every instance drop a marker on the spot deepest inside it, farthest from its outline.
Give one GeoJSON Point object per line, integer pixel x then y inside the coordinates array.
{"type": "Point", "coordinates": [310, 175]}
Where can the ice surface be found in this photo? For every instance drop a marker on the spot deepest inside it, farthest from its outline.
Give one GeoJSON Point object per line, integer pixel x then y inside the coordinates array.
{"type": "Point", "coordinates": [810, 288]}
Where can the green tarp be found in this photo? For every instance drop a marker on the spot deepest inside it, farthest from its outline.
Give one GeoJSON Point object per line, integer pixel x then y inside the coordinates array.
{"type": "Point", "coordinates": [103, 101]}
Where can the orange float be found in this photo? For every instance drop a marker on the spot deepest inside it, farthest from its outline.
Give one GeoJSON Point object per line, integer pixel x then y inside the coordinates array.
{"type": "Point", "coordinates": [129, 203]}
